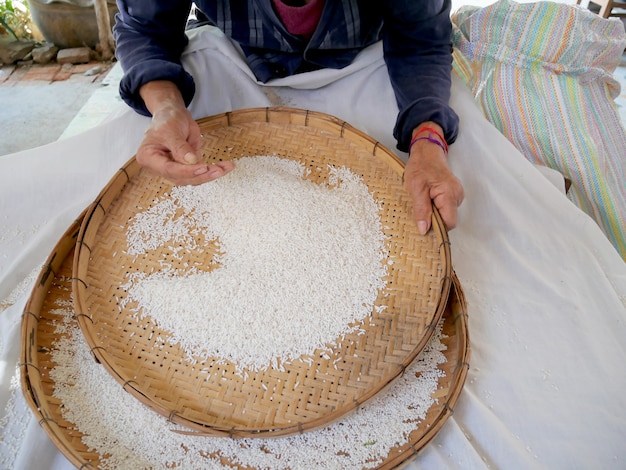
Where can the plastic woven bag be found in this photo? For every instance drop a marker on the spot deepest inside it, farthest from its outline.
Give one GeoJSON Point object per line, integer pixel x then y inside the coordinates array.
{"type": "Point", "coordinates": [542, 73]}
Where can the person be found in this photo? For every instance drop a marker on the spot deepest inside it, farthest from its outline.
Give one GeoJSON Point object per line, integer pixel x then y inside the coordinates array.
{"type": "Point", "coordinates": [281, 38]}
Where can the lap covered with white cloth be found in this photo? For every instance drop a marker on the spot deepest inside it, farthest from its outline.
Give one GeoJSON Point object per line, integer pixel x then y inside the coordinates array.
{"type": "Point", "coordinates": [546, 290]}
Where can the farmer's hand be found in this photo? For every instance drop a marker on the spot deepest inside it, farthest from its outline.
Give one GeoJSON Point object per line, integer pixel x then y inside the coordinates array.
{"type": "Point", "coordinates": [171, 143]}
{"type": "Point", "coordinates": [427, 177]}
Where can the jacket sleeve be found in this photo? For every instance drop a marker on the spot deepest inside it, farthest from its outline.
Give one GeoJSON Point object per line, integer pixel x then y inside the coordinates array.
{"type": "Point", "coordinates": [150, 38]}
{"type": "Point", "coordinates": [417, 46]}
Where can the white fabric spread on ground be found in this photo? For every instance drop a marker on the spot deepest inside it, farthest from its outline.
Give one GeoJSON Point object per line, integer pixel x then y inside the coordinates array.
{"type": "Point", "coordinates": [545, 288]}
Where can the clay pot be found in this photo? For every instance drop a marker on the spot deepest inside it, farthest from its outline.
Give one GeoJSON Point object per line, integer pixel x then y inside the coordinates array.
{"type": "Point", "coordinates": [69, 23]}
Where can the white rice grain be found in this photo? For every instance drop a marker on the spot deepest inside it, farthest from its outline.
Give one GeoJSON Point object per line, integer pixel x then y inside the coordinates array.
{"type": "Point", "coordinates": [300, 263]}
{"type": "Point", "coordinates": [131, 436]}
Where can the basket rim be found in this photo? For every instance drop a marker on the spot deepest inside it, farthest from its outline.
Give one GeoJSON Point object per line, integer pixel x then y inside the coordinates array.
{"type": "Point", "coordinates": [291, 116]}
{"type": "Point", "coordinates": [40, 403]}
{"type": "Point", "coordinates": [30, 373]}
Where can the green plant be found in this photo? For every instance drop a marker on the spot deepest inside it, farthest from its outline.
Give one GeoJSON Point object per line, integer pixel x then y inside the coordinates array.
{"type": "Point", "coordinates": [15, 18]}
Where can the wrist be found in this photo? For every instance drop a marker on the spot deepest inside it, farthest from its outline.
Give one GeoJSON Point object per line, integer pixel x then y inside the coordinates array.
{"type": "Point", "coordinates": [160, 94]}
{"type": "Point", "coordinates": [429, 132]}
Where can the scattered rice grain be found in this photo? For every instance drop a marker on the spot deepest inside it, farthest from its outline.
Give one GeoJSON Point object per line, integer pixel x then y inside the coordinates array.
{"type": "Point", "coordinates": [116, 425]}
{"type": "Point", "coordinates": [300, 263]}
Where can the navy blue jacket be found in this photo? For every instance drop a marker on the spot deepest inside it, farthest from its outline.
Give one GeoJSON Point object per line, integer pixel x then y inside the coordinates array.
{"type": "Point", "coordinates": [416, 37]}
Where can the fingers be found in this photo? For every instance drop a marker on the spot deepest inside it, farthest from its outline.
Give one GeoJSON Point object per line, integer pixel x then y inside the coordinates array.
{"type": "Point", "coordinates": [186, 174]}
{"type": "Point", "coordinates": [431, 182]}
{"type": "Point", "coordinates": [446, 198]}
{"type": "Point", "coordinates": [159, 160]}
{"type": "Point", "coordinates": [185, 150]}
{"type": "Point", "coordinates": [170, 149]}
{"type": "Point", "coordinates": [175, 132]}
{"type": "Point", "coordinates": [422, 205]}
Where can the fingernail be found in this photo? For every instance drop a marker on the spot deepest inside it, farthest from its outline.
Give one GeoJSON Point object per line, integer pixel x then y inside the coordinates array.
{"type": "Point", "coordinates": [201, 171]}
{"type": "Point", "coordinates": [215, 172]}
{"type": "Point", "coordinates": [190, 158]}
{"type": "Point", "coordinates": [422, 227]}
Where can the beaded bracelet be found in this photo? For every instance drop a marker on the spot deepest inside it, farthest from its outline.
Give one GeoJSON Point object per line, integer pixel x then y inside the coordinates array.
{"type": "Point", "coordinates": [440, 141]}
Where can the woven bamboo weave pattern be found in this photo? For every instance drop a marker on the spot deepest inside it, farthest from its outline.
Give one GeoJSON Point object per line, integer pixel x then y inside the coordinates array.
{"type": "Point", "coordinates": [303, 396]}
{"type": "Point", "coordinates": [39, 337]}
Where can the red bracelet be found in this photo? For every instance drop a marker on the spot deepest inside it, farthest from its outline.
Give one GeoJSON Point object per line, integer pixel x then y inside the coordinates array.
{"type": "Point", "coordinates": [429, 139]}
{"type": "Point", "coordinates": [441, 141]}
{"type": "Point", "coordinates": [434, 131]}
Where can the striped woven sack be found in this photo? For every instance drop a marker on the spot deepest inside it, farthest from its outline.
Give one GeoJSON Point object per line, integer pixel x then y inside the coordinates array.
{"type": "Point", "coordinates": [543, 75]}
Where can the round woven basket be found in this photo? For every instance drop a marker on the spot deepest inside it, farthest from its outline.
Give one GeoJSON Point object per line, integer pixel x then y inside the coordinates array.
{"type": "Point", "coordinates": [40, 337]}
{"type": "Point", "coordinates": [220, 400]}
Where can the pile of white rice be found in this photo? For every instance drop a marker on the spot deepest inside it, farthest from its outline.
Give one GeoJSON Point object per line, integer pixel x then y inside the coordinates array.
{"type": "Point", "coordinates": [300, 264]}
{"type": "Point", "coordinates": [131, 436]}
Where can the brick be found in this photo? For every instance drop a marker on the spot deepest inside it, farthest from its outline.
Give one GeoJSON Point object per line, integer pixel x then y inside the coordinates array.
{"type": "Point", "coordinates": [16, 76]}
{"type": "Point", "coordinates": [64, 73]}
{"type": "Point", "coordinates": [42, 73]}
{"type": "Point", "coordinates": [5, 72]}
{"type": "Point", "coordinates": [11, 52]}
{"type": "Point", "coordinates": [45, 53]}
{"type": "Point", "coordinates": [82, 68]}
{"type": "Point", "coordinates": [74, 55]}
{"type": "Point", "coordinates": [61, 76]}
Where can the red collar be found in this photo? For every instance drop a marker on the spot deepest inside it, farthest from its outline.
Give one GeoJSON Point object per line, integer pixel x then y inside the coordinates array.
{"type": "Point", "coordinates": [302, 20]}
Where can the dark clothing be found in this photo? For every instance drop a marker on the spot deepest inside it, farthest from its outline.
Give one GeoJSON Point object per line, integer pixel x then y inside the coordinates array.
{"type": "Point", "coordinates": [416, 37]}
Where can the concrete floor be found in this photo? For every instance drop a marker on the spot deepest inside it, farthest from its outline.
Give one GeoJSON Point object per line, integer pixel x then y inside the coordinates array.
{"type": "Point", "coordinates": [40, 103]}
{"type": "Point", "coordinates": [34, 114]}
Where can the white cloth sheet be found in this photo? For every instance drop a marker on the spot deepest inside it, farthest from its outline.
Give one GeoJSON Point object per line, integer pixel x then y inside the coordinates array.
{"type": "Point", "coordinates": [546, 290]}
